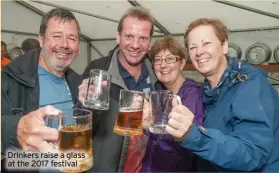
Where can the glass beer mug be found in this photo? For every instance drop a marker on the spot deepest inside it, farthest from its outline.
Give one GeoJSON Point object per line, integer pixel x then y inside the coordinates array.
{"type": "Point", "coordinates": [161, 105]}
{"type": "Point", "coordinates": [129, 117]}
{"type": "Point", "coordinates": [98, 90]}
{"type": "Point", "coordinates": [75, 138]}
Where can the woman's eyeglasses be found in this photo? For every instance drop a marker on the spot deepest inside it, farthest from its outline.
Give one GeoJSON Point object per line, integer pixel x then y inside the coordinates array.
{"type": "Point", "coordinates": [168, 60]}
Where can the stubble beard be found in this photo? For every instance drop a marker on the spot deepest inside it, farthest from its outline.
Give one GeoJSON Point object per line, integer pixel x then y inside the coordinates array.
{"type": "Point", "coordinates": [52, 61]}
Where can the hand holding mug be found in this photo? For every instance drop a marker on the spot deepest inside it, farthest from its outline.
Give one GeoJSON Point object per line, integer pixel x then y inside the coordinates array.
{"type": "Point", "coordinates": [94, 92]}
{"type": "Point", "coordinates": [180, 121]}
{"type": "Point", "coordinates": [33, 134]}
{"type": "Point", "coordinates": [160, 107]}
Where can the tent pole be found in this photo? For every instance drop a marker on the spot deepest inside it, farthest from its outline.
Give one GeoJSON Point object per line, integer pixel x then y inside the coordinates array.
{"type": "Point", "coordinates": [233, 4]}
{"type": "Point", "coordinates": [156, 23]}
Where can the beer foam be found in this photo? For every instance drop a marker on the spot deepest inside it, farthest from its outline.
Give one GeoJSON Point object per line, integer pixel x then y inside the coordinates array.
{"type": "Point", "coordinates": [129, 109]}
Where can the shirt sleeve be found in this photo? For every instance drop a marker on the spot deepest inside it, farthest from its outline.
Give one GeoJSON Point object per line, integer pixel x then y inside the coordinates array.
{"type": "Point", "coordinates": [248, 146]}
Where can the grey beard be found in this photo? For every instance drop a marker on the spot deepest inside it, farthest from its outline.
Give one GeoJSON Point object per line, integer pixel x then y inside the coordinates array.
{"type": "Point", "coordinates": [52, 63]}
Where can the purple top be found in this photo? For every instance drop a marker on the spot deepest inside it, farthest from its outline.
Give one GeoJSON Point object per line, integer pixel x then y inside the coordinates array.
{"type": "Point", "coordinates": [163, 154]}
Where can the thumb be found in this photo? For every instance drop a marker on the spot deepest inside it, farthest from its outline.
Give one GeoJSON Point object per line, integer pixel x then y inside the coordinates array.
{"type": "Point", "coordinates": [176, 101]}
{"type": "Point", "coordinates": [49, 111]}
{"type": "Point", "coordinates": [182, 110]}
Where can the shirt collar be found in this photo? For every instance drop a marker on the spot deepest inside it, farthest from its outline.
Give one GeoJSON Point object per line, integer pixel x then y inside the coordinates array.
{"type": "Point", "coordinates": [43, 71]}
{"type": "Point", "coordinates": [125, 74]}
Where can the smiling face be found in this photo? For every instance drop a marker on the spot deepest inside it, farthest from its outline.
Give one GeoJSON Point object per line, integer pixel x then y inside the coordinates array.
{"type": "Point", "coordinates": [60, 45]}
{"type": "Point", "coordinates": [207, 53]}
{"type": "Point", "coordinates": [168, 73]}
{"type": "Point", "coordinates": [134, 40]}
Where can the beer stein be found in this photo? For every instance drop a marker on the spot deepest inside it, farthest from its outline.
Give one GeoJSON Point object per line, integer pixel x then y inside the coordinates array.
{"type": "Point", "coordinates": [98, 90]}
{"type": "Point", "coordinates": [129, 117]}
{"type": "Point", "coordinates": [75, 138]}
{"type": "Point", "coordinates": [161, 105]}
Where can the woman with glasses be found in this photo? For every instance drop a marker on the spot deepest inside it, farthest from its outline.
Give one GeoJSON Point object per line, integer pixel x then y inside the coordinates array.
{"type": "Point", "coordinates": [163, 154]}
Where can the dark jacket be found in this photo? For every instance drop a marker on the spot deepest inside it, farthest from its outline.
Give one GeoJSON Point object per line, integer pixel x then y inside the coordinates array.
{"type": "Point", "coordinates": [242, 123]}
{"type": "Point", "coordinates": [20, 91]}
{"type": "Point", "coordinates": [110, 149]}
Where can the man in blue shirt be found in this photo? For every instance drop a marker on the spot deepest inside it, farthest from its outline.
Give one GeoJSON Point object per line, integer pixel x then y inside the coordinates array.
{"type": "Point", "coordinates": [39, 82]}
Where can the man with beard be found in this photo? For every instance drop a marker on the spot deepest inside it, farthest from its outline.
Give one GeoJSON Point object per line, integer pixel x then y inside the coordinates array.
{"type": "Point", "coordinates": [40, 83]}
{"type": "Point", "coordinates": [130, 70]}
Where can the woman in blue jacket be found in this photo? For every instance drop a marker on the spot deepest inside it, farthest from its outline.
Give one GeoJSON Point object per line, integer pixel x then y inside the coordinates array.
{"type": "Point", "coordinates": [241, 126]}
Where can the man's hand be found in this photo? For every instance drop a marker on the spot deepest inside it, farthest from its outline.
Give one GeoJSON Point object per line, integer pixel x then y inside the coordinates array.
{"type": "Point", "coordinates": [32, 132]}
{"type": "Point", "coordinates": [180, 121]}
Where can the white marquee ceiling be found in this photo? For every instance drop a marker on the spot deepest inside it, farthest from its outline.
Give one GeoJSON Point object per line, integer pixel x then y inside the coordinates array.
{"type": "Point", "coordinates": [174, 16]}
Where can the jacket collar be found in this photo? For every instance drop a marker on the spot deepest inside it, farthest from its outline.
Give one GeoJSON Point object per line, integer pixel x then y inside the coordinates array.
{"type": "Point", "coordinates": [234, 73]}
{"type": "Point", "coordinates": [25, 68]}
{"type": "Point", "coordinates": [233, 68]}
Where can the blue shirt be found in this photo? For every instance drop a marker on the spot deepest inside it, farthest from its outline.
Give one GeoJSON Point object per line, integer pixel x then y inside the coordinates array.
{"type": "Point", "coordinates": [142, 84]}
{"type": "Point", "coordinates": [54, 91]}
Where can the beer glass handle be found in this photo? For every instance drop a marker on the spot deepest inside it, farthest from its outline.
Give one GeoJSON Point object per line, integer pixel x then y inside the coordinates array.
{"type": "Point", "coordinates": [88, 86]}
{"type": "Point", "coordinates": [51, 119]}
{"type": "Point", "coordinates": [177, 98]}
{"type": "Point", "coordinates": [50, 123]}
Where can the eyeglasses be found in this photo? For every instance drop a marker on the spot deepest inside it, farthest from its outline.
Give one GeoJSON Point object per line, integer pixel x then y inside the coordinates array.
{"type": "Point", "coordinates": [168, 60]}
{"type": "Point", "coordinates": [130, 38]}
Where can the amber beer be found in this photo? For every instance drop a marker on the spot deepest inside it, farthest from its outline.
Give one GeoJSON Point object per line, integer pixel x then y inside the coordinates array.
{"type": "Point", "coordinates": [128, 122]}
{"type": "Point", "coordinates": [78, 140]}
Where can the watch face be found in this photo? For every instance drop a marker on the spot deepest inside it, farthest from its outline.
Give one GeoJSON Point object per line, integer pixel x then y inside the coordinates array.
{"type": "Point", "coordinates": [257, 55]}
{"type": "Point", "coordinates": [232, 52]}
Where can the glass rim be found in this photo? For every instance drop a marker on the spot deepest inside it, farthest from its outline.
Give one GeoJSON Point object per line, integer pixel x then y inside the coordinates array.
{"type": "Point", "coordinates": [161, 91]}
{"type": "Point", "coordinates": [97, 71]}
{"type": "Point", "coordinates": [140, 92]}
{"type": "Point", "coordinates": [88, 114]}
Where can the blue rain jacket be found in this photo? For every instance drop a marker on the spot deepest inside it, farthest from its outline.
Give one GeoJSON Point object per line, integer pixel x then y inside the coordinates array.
{"type": "Point", "coordinates": [240, 130]}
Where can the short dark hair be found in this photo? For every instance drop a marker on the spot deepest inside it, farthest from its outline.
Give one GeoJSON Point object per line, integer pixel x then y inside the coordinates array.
{"type": "Point", "coordinates": [61, 14]}
{"type": "Point", "coordinates": [30, 44]}
{"type": "Point", "coordinates": [139, 13]}
{"type": "Point", "coordinates": [3, 44]}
